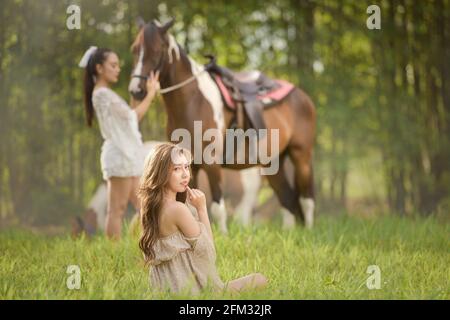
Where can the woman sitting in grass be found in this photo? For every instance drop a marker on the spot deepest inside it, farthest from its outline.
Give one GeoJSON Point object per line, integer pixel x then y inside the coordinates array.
{"type": "Point", "coordinates": [178, 243]}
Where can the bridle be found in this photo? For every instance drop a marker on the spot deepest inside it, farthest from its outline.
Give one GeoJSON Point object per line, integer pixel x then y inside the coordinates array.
{"type": "Point", "coordinates": [171, 88]}
{"type": "Point", "coordinates": [158, 68]}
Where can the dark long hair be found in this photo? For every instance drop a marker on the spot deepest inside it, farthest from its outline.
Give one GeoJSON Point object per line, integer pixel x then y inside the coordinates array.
{"type": "Point", "coordinates": [98, 57]}
{"type": "Point", "coordinates": [151, 193]}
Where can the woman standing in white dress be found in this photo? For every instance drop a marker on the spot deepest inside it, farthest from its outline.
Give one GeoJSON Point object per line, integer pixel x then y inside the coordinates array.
{"type": "Point", "coordinates": [122, 158]}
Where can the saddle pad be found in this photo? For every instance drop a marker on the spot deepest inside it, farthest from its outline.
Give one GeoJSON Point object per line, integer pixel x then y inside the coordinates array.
{"type": "Point", "coordinates": [267, 99]}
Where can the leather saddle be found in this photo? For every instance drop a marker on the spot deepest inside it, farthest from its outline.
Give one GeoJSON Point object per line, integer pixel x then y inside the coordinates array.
{"type": "Point", "coordinates": [251, 83]}
{"type": "Point", "coordinates": [247, 93]}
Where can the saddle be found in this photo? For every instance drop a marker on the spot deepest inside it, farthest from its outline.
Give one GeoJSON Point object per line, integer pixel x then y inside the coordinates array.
{"type": "Point", "coordinates": [247, 93]}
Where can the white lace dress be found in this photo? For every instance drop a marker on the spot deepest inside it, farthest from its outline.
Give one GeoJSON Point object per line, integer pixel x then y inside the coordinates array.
{"type": "Point", "coordinates": [122, 151]}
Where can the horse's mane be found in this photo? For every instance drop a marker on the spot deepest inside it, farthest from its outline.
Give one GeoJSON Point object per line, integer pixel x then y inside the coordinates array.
{"type": "Point", "coordinates": [137, 42]}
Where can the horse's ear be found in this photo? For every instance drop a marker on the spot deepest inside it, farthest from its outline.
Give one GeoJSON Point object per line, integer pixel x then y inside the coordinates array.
{"type": "Point", "coordinates": [140, 23]}
{"type": "Point", "coordinates": [167, 25]}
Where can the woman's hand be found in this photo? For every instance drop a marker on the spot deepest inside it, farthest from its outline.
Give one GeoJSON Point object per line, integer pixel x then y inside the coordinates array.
{"type": "Point", "coordinates": [152, 83]}
{"type": "Point", "coordinates": [196, 198]}
{"type": "Point", "coordinates": [152, 86]}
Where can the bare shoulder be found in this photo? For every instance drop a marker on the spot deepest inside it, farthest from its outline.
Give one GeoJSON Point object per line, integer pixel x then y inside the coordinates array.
{"type": "Point", "coordinates": [180, 215]}
{"type": "Point", "coordinates": [168, 218]}
{"type": "Point", "coordinates": [177, 210]}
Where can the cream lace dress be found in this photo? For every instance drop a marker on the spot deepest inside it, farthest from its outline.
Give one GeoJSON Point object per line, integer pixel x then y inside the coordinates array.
{"type": "Point", "coordinates": [185, 264]}
{"type": "Point", "coordinates": [122, 151]}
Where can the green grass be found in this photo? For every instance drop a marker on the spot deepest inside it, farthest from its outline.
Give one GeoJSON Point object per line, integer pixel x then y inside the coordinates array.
{"type": "Point", "coordinates": [328, 262]}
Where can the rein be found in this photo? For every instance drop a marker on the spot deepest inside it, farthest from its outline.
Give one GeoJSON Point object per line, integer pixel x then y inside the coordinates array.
{"type": "Point", "coordinates": [174, 87]}
{"type": "Point", "coordinates": [181, 84]}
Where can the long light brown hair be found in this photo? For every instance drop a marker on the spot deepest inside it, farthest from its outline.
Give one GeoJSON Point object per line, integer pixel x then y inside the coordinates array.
{"type": "Point", "coordinates": [151, 193]}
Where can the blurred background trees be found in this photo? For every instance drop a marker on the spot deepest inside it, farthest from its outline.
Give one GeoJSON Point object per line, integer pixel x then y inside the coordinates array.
{"type": "Point", "coordinates": [382, 96]}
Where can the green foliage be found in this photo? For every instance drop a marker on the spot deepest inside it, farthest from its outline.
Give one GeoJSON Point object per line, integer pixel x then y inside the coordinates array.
{"type": "Point", "coordinates": [382, 96]}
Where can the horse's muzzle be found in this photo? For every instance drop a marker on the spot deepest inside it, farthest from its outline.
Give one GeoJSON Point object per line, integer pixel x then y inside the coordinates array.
{"type": "Point", "coordinates": [139, 95]}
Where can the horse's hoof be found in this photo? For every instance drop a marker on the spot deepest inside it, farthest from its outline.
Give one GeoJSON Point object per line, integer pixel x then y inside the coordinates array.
{"type": "Point", "coordinates": [288, 219]}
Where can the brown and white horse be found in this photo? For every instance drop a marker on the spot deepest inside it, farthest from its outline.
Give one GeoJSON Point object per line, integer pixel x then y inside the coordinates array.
{"type": "Point", "coordinates": [191, 95]}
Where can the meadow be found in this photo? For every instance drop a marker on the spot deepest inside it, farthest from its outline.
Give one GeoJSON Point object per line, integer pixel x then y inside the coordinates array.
{"type": "Point", "coordinates": [330, 261]}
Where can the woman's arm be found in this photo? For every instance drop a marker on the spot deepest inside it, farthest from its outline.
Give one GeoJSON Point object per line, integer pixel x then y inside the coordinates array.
{"type": "Point", "coordinates": [152, 86]}
{"type": "Point", "coordinates": [185, 221]}
{"type": "Point", "coordinates": [198, 200]}
{"type": "Point", "coordinates": [143, 106]}
{"type": "Point", "coordinates": [203, 216]}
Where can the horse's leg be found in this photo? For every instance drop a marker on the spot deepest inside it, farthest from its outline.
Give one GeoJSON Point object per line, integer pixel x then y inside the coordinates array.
{"type": "Point", "coordinates": [302, 160]}
{"type": "Point", "coordinates": [251, 182]}
{"type": "Point", "coordinates": [218, 210]}
{"type": "Point", "coordinates": [286, 195]}
{"type": "Point", "coordinates": [195, 173]}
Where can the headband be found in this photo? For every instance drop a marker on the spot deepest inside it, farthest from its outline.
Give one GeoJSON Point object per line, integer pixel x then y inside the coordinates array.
{"type": "Point", "coordinates": [87, 55]}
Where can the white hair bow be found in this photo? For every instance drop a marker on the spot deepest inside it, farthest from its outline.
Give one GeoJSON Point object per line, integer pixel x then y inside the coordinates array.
{"type": "Point", "coordinates": [87, 55]}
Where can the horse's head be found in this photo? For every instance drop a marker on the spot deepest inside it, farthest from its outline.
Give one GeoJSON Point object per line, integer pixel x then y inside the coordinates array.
{"type": "Point", "coordinates": [150, 50]}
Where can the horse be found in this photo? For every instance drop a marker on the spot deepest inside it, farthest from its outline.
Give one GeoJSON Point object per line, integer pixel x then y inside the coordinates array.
{"type": "Point", "coordinates": [191, 95]}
